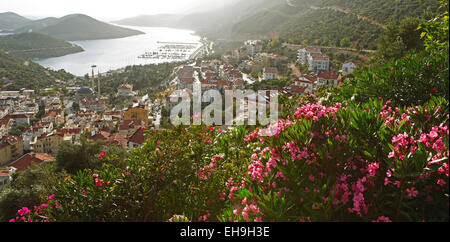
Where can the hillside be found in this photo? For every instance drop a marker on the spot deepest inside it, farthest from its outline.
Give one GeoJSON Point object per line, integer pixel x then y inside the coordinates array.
{"type": "Point", "coordinates": [384, 11]}
{"type": "Point", "coordinates": [9, 21]}
{"type": "Point", "coordinates": [34, 26]}
{"type": "Point", "coordinates": [26, 74]}
{"type": "Point", "coordinates": [77, 27]}
{"type": "Point", "coordinates": [328, 22]}
{"type": "Point", "coordinates": [36, 45]}
{"type": "Point", "coordinates": [158, 20]}
{"type": "Point", "coordinates": [373, 149]}
{"type": "Point", "coordinates": [216, 23]}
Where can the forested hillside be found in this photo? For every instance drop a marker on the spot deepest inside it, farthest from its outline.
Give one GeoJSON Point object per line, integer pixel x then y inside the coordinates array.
{"type": "Point", "coordinates": [328, 22]}
{"type": "Point", "coordinates": [26, 74]}
{"type": "Point", "coordinates": [385, 11]}
{"type": "Point", "coordinates": [11, 20]}
{"type": "Point", "coordinates": [36, 45]}
{"type": "Point", "coordinates": [374, 149]}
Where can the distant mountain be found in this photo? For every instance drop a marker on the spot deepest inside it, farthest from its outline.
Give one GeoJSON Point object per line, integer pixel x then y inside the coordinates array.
{"type": "Point", "coordinates": [159, 20]}
{"type": "Point", "coordinates": [77, 27]}
{"type": "Point", "coordinates": [36, 45]}
{"type": "Point", "coordinates": [10, 21]}
{"type": "Point", "coordinates": [216, 23]}
{"type": "Point", "coordinates": [34, 26]}
{"type": "Point", "coordinates": [22, 73]}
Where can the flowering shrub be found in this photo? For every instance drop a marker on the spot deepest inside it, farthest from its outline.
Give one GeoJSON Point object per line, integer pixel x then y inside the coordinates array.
{"type": "Point", "coordinates": [370, 162]}
{"type": "Point", "coordinates": [358, 162]}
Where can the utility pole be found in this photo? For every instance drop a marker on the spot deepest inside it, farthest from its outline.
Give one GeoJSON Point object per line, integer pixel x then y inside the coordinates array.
{"type": "Point", "coordinates": [98, 79]}
{"type": "Point", "coordinates": [93, 78]}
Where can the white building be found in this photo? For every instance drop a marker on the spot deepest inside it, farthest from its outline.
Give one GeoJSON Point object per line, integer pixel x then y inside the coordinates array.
{"type": "Point", "coordinates": [270, 73]}
{"type": "Point", "coordinates": [6, 176]}
{"type": "Point", "coordinates": [125, 90]}
{"type": "Point", "coordinates": [303, 54]}
{"type": "Point", "coordinates": [253, 47]}
{"type": "Point", "coordinates": [348, 67]}
{"type": "Point", "coordinates": [318, 62]}
{"type": "Point", "coordinates": [307, 82]}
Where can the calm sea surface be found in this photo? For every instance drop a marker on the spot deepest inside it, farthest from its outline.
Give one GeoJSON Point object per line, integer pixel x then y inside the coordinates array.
{"type": "Point", "coordinates": [114, 54]}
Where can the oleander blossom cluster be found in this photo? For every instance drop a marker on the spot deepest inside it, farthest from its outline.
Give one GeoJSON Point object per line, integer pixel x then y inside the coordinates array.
{"type": "Point", "coordinates": [359, 177]}
{"type": "Point", "coordinates": [333, 162]}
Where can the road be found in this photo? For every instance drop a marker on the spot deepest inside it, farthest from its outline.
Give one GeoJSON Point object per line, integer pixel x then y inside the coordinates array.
{"type": "Point", "coordinates": [328, 47]}
{"type": "Point", "coordinates": [348, 11]}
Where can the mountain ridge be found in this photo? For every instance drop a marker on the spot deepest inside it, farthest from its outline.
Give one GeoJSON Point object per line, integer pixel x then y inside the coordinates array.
{"type": "Point", "coordinates": [75, 27]}
{"type": "Point", "coordinates": [36, 45]}
{"type": "Point", "coordinates": [10, 20]}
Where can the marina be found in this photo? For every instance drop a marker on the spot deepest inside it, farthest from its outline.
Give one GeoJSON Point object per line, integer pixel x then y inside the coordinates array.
{"type": "Point", "coordinates": [171, 51]}
{"type": "Point", "coordinates": [113, 54]}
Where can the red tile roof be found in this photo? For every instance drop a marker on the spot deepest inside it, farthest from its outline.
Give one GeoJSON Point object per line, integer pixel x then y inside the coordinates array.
{"type": "Point", "coordinates": [4, 172]}
{"type": "Point", "coordinates": [118, 139]}
{"type": "Point", "coordinates": [9, 140]}
{"type": "Point", "coordinates": [138, 137]}
{"type": "Point", "coordinates": [328, 75]}
{"type": "Point", "coordinates": [319, 56]}
{"type": "Point", "coordinates": [102, 135]}
{"type": "Point", "coordinates": [271, 70]}
{"type": "Point", "coordinates": [125, 87]}
{"type": "Point", "coordinates": [296, 89]}
{"type": "Point", "coordinates": [130, 124]}
{"type": "Point", "coordinates": [27, 160]}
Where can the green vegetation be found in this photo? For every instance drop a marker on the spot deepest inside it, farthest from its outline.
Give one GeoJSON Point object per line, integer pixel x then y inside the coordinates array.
{"type": "Point", "coordinates": [26, 74]}
{"type": "Point", "coordinates": [405, 73]}
{"type": "Point", "coordinates": [27, 187]}
{"type": "Point", "coordinates": [269, 84]}
{"type": "Point", "coordinates": [328, 24]}
{"type": "Point", "coordinates": [78, 27]}
{"type": "Point", "coordinates": [398, 40]}
{"type": "Point", "coordinates": [375, 150]}
{"type": "Point", "coordinates": [18, 129]}
{"type": "Point", "coordinates": [385, 11]}
{"type": "Point", "coordinates": [35, 45]}
{"type": "Point", "coordinates": [73, 158]}
{"type": "Point", "coordinates": [148, 79]}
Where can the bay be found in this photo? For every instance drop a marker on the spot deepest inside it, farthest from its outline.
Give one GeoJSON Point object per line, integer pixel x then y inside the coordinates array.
{"type": "Point", "coordinates": [113, 54]}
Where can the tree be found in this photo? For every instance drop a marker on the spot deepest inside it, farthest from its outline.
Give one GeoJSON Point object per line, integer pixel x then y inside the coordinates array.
{"type": "Point", "coordinates": [345, 42]}
{"type": "Point", "coordinates": [76, 106]}
{"type": "Point", "coordinates": [26, 188]}
{"type": "Point", "coordinates": [435, 32]}
{"type": "Point", "coordinates": [73, 158]}
{"type": "Point", "coordinates": [398, 40]}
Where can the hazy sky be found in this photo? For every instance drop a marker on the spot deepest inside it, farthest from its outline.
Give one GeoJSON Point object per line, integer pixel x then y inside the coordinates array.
{"type": "Point", "coordinates": [105, 9]}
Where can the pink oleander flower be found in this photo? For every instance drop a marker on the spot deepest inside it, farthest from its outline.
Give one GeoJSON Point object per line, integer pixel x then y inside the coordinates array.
{"type": "Point", "coordinates": [158, 143]}
{"type": "Point", "coordinates": [412, 192]}
{"type": "Point", "coordinates": [51, 196]}
{"type": "Point", "coordinates": [372, 169]}
{"type": "Point", "coordinates": [441, 182]}
{"type": "Point", "coordinates": [143, 128]}
{"type": "Point", "coordinates": [103, 154]}
{"type": "Point", "coordinates": [23, 211]}
{"type": "Point", "coordinates": [98, 182]}
{"type": "Point", "coordinates": [382, 219]}
{"type": "Point", "coordinates": [44, 205]}
{"type": "Point", "coordinates": [178, 218]}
